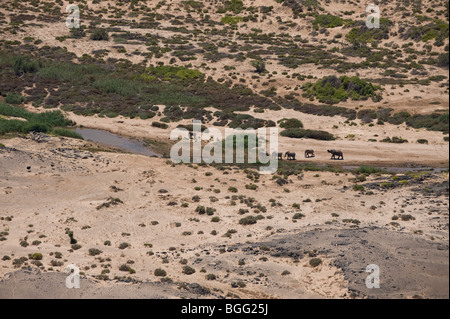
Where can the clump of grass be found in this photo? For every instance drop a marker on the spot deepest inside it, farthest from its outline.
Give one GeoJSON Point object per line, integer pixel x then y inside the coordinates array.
{"type": "Point", "coordinates": [66, 133]}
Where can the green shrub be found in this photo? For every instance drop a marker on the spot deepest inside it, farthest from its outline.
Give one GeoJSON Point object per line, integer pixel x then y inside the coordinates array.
{"type": "Point", "coordinates": [160, 125]}
{"type": "Point", "coordinates": [290, 123]}
{"type": "Point", "coordinates": [36, 256]}
{"type": "Point", "coordinates": [233, 189]}
{"type": "Point", "coordinates": [22, 65]}
{"type": "Point", "coordinates": [94, 251]}
{"type": "Point", "coordinates": [160, 272]}
{"type": "Point", "coordinates": [259, 66]}
{"type": "Point", "coordinates": [230, 20]}
{"type": "Point", "coordinates": [249, 220]}
{"type": "Point", "coordinates": [12, 98]}
{"type": "Point", "coordinates": [443, 60]}
{"type": "Point", "coordinates": [298, 216]}
{"type": "Point", "coordinates": [364, 169]}
{"type": "Point", "coordinates": [394, 139]}
{"type": "Point", "coordinates": [314, 262]}
{"type": "Point", "coordinates": [210, 277]}
{"type": "Point", "coordinates": [332, 90]}
{"type": "Point", "coordinates": [100, 35]}
{"type": "Point", "coordinates": [302, 133]}
{"type": "Point", "coordinates": [187, 270]}
{"type": "Point", "coordinates": [327, 21]}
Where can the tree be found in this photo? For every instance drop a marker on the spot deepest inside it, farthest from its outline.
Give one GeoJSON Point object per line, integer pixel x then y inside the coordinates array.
{"type": "Point", "coordinates": [259, 65]}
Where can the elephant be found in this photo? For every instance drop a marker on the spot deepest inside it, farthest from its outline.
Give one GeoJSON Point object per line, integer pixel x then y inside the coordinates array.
{"type": "Point", "coordinates": [334, 153]}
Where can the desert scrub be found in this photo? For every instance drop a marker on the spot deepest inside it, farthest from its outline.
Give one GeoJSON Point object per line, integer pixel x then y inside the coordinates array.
{"type": "Point", "coordinates": [332, 90]}
{"type": "Point", "coordinates": [259, 66]}
{"type": "Point", "coordinates": [42, 122]}
{"type": "Point", "coordinates": [160, 125]}
{"type": "Point", "coordinates": [297, 216]}
{"type": "Point", "coordinates": [368, 170]}
{"type": "Point", "coordinates": [160, 272]}
{"type": "Point", "coordinates": [394, 139]}
{"type": "Point", "coordinates": [187, 270]}
{"type": "Point", "coordinates": [327, 21]}
{"type": "Point", "coordinates": [358, 188]}
{"type": "Point", "coordinates": [312, 134]}
{"type": "Point", "coordinates": [215, 219]}
{"type": "Point", "coordinates": [124, 245]}
{"type": "Point", "coordinates": [100, 35]}
{"type": "Point", "coordinates": [251, 187]}
{"type": "Point", "coordinates": [110, 202]}
{"type": "Point", "coordinates": [290, 123]}
{"type": "Point", "coordinates": [406, 217]}
{"type": "Point", "coordinates": [249, 220]}
{"type": "Point", "coordinates": [351, 221]}
{"type": "Point", "coordinates": [94, 251]}
{"type": "Point", "coordinates": [314, 262]}
{"type": "Point", "coordinates": [210, 277]}
{"type": "Point", "coordinates": [36, 256]}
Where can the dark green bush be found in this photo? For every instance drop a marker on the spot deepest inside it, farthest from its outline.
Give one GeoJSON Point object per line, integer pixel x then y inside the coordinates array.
{"type": "Point", "coordinates": [12, 98]}
{"type": "Point", "coordinates": [249, 220]}
{"type": "Point", "coordinates": [160, 272]}
{"type": "Point", "coordinates": [302, 133]}
{"type": "Point", "coordinates": [100, 35]}
{"type": "Point", "coordinates": [290, 123]}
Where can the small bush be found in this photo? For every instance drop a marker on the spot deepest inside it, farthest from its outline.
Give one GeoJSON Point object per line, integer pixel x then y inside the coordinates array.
{"type": "Point", "coordinates": [298, 216]}
{"type": "Point", "coordinates": [358, 188]}
{"type": "Point", "coordinates": [100, 35]}
{"type": "Point", "coordinates": [314, 262]}
{"type": "Point", "coordinates": [124, 245]}
{"type": "Point", "coordinates": [312, 134]}
{"type": "Point", "coordinates": [12, 98]}
{"type": "Point", "coordinates": [249, 220]}
{"type": "Point", "coordinates": [187, 270]}
{"type": "Point", "coordinates": [94, 251]}
{"type": "Point", "coordinates": [160, 272]}
{"type": "Point", "coordinates": [36, 256]}
{"type": "Point", "coordinates": [210, 277]}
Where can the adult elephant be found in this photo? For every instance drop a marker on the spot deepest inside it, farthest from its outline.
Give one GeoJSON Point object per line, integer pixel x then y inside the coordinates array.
{"type": "Point", "coordinates": [335, 153]}
{"type": "Point", "coordinates": [290, 156]}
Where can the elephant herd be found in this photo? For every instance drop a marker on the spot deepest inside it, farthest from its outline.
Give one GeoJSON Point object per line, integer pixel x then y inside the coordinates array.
{"type": "Point", "coordinates": [335, 155]}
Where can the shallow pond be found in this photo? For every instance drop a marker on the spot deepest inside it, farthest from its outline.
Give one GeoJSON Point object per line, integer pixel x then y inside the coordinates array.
{"type": "Point", "coordinates": [110, 139]}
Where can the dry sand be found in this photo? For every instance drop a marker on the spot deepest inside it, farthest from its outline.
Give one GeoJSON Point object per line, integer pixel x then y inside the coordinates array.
{"type": "Point", "coordinates": [65, 185]}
